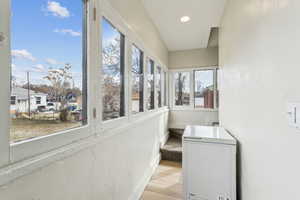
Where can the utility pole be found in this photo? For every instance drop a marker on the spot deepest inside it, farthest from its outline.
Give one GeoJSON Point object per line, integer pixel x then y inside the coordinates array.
{"type": "Point", "coordinates": [28, 90]}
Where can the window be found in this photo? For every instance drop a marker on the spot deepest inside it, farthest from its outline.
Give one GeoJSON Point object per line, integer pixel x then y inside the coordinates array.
{"type": "Point", "coordinates": [13, 100]}
{"type": "Point", "coordinates": [165, 87]}
{"type": "Point", "coordinates": [150, 84]}
{"type": "Point", "coordinates": [137, 96]}
{"type": "Point", "coordinates": [204, 94]}
{"type": "Point", "coordinates": [204, 88]}
{"type": "Point", "coordinates": [182, 88]}
{"type": "Point", "coordinates": [113, 48]}
{"type": "Point", "coordinates": [48, 61]}
{"type": "Point", "coordinates": [38, 100]}
{"type": "Point", "coordinates": [158, 86]}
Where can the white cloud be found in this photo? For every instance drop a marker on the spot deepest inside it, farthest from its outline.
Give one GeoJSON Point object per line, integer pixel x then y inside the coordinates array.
{"type": "Point", "coordinates": [51, 61]}
{"type": "Point", "coordinates": [23, 53]}
{"type": "Point", "coordinates": [68, 31]}
{"type": "Point", "coordinates": [39, 68]}
{"type": "Point", "coordinates": [57, 10]}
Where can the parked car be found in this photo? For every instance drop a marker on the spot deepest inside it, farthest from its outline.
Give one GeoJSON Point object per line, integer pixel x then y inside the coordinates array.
{"type": "Point", "coordinates": [41, 109]}
{"type": "Point", "coordinates": [51, 106]}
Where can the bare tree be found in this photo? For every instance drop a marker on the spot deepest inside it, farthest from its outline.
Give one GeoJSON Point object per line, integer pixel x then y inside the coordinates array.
{"type": "Point", "coordinates": [61, 81]}
{"type": "Point", "coordinates": [112, 79]}
{"type": "Point", "coordinates": [180, 88]}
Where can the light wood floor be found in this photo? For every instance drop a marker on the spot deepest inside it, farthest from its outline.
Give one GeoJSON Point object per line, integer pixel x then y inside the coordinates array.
{"type": "Point", "coordinates": [166, 183]}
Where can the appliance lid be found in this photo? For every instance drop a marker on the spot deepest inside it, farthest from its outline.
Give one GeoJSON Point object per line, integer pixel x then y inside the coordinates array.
{"type": "Point", "coordinates": [208, 134]}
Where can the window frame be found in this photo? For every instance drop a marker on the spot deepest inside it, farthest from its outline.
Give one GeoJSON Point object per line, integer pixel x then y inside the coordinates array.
{"type": "Point", "coordinates": [123, 72]}
{"type": "Point", "coordinates": [158, 85]}
{"type": "Point", "coordinates": [39, 145]}
{"type": "Point", "coordinates": [182, 107]}
{"type": "Point", "coordinates": [38, 100]}
{"type": "Point", "coordinates": [13, 101]}
{"type": "Point", "coordinates": [214, 88]}
{"type": "Point", "coordinates": [152, 71]}
{"type": "Point", "coordinates": [130, 38]}
{"type": "Point", "coordinates": [5, 58]}
{"type": "Point", "coordinates": [103, 126]}
{"type": "Point", "coordinates": [141, 82]}
{"type": "Point", "coordinates": [165, 88]}
{"type": "Point", "coordinates": [191, 71]}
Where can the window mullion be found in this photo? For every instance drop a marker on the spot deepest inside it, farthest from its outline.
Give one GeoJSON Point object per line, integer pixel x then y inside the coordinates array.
{"type": "Point", "coordinates": [172, 89]}
{"type": "Point", "coordinates": [215, 88]}
{"type": "Point", "coordinates": [145, 80]}
{"type": "Point", "coordinates": [5, 80]}
{"type": "Point", "coordinates": [95, 73]}
{"type": "Point", "coordinates": [192, 99]}
{"type": "Point", "coordinates": [155, 85]}
{"type": "Point", "coordinates": [128, 82]}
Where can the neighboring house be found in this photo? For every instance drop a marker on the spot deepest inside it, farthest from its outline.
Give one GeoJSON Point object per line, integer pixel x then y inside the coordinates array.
{"type": "Point", "coordinates": [19, 100]}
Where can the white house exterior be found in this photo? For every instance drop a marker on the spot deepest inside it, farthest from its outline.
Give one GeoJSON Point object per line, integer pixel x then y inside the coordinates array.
{"type": "Point", "coordinates": [19, 100]}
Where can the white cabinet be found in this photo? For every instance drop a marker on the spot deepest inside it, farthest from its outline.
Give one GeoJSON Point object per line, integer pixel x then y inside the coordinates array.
{"type": "Point", "coordinates": [209, 164]}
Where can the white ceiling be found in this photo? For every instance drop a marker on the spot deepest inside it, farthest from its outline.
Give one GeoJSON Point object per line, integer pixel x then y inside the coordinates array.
{"type": "Point", "coordinates": [194, 34]}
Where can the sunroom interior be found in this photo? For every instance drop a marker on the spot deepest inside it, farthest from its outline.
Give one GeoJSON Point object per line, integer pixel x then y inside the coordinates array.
{"type": "Point", "coordinates": [149, 99]}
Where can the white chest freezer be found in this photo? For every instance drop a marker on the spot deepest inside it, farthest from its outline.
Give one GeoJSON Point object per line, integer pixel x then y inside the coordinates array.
{"type": "Point", "coordinates": [209, 164]}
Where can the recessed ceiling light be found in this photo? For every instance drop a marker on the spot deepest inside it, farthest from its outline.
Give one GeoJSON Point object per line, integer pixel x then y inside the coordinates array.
{"type": "Point", "coordinates": [185, 19]}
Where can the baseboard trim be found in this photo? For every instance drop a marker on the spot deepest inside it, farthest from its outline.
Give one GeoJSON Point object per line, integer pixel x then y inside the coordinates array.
{"type": "Point", "coordinates": [177, 126]}
{"type": "Point", "coordinates": [138, 192]}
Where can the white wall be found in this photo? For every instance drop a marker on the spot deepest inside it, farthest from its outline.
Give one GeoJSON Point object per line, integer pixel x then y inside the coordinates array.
{"type": "Point", "coordinates": [181, 118]}
{"type": "Point", "coordinates": [116, 168]}
{"type": "Point", "coordinates": [259, 62]}
{"type": "Point", "coordinates": [134, 13]}
{"type": "Point", "coordinates": [193, 58]}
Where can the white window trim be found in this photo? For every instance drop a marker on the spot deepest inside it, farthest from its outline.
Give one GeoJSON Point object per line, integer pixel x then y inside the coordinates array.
{"type": "Point", "coordinates": [172, 83]}
{"type": "Point", "coordinates": [117, 21]}
{"type": "Point", "coordinates": [131, 114]}
{"type": "Point", "coordinates": [191, 107]}
{"type": "Point", "coordinates": [28, 148]}
{"type": "Point", "coordinates": [4, 88]}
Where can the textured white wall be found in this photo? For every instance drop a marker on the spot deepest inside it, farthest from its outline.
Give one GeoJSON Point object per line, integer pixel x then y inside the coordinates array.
{"type": "Point", "coordinates": [113, 169]}
{"type": "Point", "coordinates": [182, 118]}
{"type": "Point", "coordinates": [193, 58]}
{"type": "Point", "coordinates": [259, 69]}
{"type": "Point", "coordinates": [134, 13]}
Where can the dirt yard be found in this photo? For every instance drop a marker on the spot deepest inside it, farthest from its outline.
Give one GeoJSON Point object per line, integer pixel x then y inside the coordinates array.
{"type": "Point", "coordinates": [22, 129]}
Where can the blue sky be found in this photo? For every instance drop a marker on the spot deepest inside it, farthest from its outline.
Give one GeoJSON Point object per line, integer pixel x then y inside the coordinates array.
{"type": "Point", "coordinates": [46, 34]}
{"type": "Point", "coordinates": [109, 32]}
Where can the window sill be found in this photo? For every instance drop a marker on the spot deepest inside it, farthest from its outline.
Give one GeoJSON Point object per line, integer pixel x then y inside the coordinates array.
{"type": "Point", "coordinates": [118, 126]}
{"type": "Point", "coordinates": [39, 145]}
{"type": "Point", "coordinates": [194, 109]}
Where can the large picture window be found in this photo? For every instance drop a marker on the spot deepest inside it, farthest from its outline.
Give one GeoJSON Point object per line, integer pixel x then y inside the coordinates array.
{"type": "Point", "coordinates": [113, 48]}
{"type": "Point", "coordinates": [48, 79]}
{"type": "Point", "coordinates": [182, 88]}
{"type": "Point", "coordinates": [204, 88]}
{"type": "Point", "coordinates": [150, 84]}
{"type": "Point", "coordinates": [137, 96]}
{"type": "Point", "coordinates": [195, 88]}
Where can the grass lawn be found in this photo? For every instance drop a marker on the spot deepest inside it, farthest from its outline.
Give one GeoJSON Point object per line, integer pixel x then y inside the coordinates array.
{"type": "Point", "coordinates": [22, 129]}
